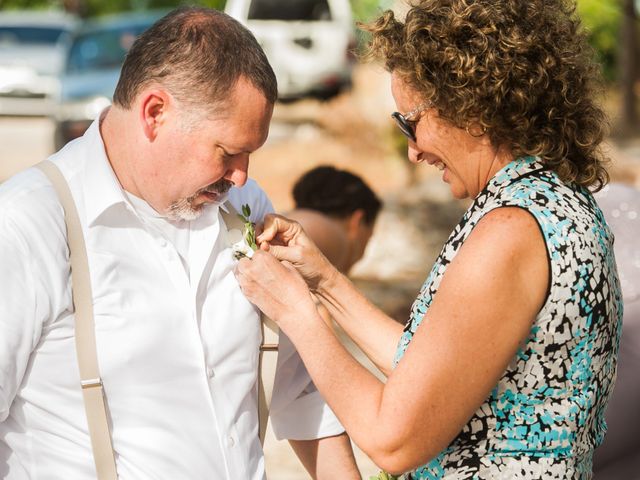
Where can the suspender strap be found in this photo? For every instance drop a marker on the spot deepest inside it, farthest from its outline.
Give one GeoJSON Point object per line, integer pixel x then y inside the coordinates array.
{"type": "Point", "coordinates": [268, 360]}
{"type": "Point", "coordinates": [268, 357]}
{"type": "Point", "coordinates": [90, 381]}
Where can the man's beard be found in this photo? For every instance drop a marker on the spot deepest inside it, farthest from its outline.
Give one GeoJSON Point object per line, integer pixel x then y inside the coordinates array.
{"type": "Point", "coordinates": [185, 209]}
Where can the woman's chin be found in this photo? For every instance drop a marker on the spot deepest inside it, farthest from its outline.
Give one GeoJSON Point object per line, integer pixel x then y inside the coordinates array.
{"type": "Point", "coordinates": [458, 190]}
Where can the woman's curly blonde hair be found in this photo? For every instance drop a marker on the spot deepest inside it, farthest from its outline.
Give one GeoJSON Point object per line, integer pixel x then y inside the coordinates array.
{"type": "Point", "coordinates": [522, 69]}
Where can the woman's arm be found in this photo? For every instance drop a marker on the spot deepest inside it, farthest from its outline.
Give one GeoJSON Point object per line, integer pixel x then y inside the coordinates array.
{"type": "Point", "coordinates": [483, 311]}
{"type": "Point", "coordinates": [371, 329]}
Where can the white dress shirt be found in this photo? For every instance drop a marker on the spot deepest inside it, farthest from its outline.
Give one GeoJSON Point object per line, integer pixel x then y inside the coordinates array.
{"type": "Point", "coordinates": [177, 341]}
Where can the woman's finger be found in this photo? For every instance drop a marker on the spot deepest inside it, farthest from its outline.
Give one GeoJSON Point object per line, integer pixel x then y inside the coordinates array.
{"type": "Point", "coordinates": [270, 228]}
{"type": "Point", "coordinates": [271, 285]}
{"type": "Point", "coordinates": [288, 254]}
{"type": "Point", "coordinates": [278, 230]}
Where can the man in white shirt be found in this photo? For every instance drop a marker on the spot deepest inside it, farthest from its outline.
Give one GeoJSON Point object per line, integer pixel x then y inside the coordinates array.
{"type": "Point", "coordinates": [177, 342]}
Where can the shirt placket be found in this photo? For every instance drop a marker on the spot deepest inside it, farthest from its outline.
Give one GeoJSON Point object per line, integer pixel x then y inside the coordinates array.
{"type": "Point", "coordinates": [204, 247]}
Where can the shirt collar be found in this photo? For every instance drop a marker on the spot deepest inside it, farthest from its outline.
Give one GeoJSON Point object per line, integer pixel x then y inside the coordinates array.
{"type": "Point", "coordinates": [226, 204]}
{"type": "Point", "coordinates": [102, 190]}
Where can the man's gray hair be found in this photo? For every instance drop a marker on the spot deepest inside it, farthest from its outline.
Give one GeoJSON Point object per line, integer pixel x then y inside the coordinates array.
{"type": "Point", "coordinates": [198, 55]}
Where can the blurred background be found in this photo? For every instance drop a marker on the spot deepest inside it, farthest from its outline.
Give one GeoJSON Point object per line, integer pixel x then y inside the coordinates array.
{"type": "Point", "coordinates": [60, 61]}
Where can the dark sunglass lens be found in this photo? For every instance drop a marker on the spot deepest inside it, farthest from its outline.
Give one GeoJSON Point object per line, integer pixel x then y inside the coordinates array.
{"type": "Point", "coordinates": [408, 131]}
{"type": "Point", "coordinates": [404, 126]}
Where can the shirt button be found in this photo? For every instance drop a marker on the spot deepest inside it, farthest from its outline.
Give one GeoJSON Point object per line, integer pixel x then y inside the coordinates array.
{"type": "Point", "coordinates": [210, 372]}
{"type": "Point", "coordinates": [230, 441]}
{"type": "Point", "coordinates": [163, 242]}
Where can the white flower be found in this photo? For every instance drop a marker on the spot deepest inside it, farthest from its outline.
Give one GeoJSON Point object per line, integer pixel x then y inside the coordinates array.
{"type": "Point", "coordinates": [243, 244]}
{"type": "Point", "coordinates": [239, 246]}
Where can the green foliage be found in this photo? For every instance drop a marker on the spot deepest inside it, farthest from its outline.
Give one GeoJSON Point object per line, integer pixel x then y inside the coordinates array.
{"type": "Point", "coordinates": [601, 19]}
{"type": "Point", "coordinates": [384, 476]}
{"type": "Point", "coordinates": [100, 7]}
{"type": "Point", "coordinates": [30, 4]}
{"type": "Point", "coordinates": [246, 210]}
{"type": "Point", "coordinates": [249, 233]}
{"type": "Point", "coordinates": [365, 11]}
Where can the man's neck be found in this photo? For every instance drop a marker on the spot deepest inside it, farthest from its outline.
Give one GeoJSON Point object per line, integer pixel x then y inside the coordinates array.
{"type": "Point", "coordinates": [115, 132]}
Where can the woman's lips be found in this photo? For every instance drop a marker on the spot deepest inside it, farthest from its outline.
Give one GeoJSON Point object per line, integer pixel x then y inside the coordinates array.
{"type": "Point", "coordinates": [436, 162]}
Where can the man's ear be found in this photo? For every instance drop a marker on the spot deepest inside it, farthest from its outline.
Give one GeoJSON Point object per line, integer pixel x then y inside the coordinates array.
{"type": "Point", "coordinates": [354, 221]}
{"type": "Point", "coordinates": [154, 110]}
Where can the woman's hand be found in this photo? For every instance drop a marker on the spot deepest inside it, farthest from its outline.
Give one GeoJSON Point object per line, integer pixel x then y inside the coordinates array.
{"type": "Point", "coordinates": [276, 288]}
{"type": "Point", "coordinates": [286, 240]}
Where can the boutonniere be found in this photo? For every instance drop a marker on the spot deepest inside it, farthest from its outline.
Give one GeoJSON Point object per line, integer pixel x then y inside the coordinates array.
{"type": "Point", "coordinates": [243, 243]}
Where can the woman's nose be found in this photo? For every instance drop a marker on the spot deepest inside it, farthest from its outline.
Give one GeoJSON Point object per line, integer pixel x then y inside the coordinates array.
{"type": "Point", "coordinates": [414, 153]}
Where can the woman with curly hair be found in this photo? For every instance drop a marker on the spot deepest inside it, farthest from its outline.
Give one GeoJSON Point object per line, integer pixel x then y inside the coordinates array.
{"type": "Point", "coordinates": [508, 359]}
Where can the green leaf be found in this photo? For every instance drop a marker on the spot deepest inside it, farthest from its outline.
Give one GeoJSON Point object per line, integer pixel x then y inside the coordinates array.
{"type": "Point", "coordinates": [246, 210]}
{"type": "Point", "coordinates": [384, 476]}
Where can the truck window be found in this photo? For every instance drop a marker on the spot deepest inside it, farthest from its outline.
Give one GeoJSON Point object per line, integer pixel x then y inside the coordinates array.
{"type": "Point", "coordinates": [291, 10]}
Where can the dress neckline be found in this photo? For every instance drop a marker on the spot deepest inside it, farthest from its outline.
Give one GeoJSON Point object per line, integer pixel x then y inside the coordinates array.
{"type": "Point", "coordinates": [511, 172]}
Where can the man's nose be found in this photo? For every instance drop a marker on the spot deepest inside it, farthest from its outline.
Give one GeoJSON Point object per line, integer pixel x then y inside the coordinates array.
{"type": "Point", "coordinates": [238, 170]}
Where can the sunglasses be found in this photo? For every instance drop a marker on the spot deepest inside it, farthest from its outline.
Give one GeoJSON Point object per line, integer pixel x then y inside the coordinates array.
{"type": "Point", "coordinates": [407, 123]}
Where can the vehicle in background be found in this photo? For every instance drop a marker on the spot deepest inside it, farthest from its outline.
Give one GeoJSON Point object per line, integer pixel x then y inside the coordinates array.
{"type": "Point", "coordinates": [309, 43]}
{"type": "Point", "coordinates": [94, 59]}
{"type": "Point", "coordinates": [32, 50]}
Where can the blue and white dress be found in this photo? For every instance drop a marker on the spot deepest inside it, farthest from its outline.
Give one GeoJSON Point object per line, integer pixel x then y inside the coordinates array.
{"type": "Point", "coordinates": [546, 414]}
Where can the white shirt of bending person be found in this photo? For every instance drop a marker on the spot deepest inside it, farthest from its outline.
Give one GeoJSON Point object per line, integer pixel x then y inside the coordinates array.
{"type": "Point", "coordinates": [177, 341]}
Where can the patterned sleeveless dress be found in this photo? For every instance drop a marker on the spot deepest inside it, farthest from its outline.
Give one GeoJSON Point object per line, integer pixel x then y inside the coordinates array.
{"type": "Point", "coordinates": [546, 414]}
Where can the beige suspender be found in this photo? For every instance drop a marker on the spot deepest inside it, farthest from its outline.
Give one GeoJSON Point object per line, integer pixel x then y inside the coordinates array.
{"type": "Point", "coordinates": [90, 381]}
{"type": "Point", "coordinates": [92, 390]}
{"type": "Point", "coordinates": [267, 361]}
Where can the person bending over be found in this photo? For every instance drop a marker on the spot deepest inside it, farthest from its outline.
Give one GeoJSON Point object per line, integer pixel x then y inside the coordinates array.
{"type": "Point", "coordinates": [338, 211]}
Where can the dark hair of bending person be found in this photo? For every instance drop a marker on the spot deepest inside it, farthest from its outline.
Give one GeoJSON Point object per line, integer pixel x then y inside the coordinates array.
{"type": "Point", "coordinates": [338, 211]}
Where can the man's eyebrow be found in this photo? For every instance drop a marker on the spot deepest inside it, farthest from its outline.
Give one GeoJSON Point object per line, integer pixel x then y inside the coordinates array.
{"type": "Point", "coordinates": [229, 151]}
